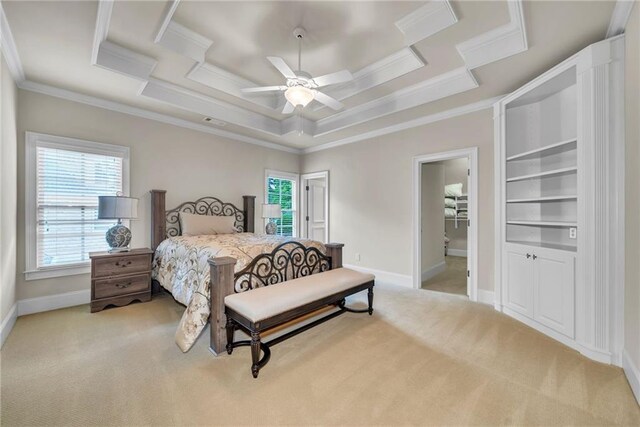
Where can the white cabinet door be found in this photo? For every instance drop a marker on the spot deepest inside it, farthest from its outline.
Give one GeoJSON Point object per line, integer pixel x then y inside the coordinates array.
{"type": "Point", "coordinates": [519, 276]}
{"type": "Point", "coordinates": [554, 289]}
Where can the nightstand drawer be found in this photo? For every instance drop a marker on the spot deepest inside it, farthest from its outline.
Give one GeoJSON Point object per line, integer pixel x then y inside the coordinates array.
{"type": "Point", "coordinates": [121, 265]}
{"type": "Point", "coordinates": [106, 288]}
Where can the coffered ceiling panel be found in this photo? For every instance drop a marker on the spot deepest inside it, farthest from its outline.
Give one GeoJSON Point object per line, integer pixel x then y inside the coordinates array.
{"type": "Point", "coordinates": [191, 59]}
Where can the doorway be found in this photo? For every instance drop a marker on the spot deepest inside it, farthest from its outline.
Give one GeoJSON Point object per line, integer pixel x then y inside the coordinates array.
{"type": "Point", "coordinates": [445, 231]}
{"type": "Point", "coordinates": [315, 206]}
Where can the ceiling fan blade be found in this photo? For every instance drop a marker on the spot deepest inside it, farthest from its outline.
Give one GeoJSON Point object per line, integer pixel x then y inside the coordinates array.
{"type": "Point", "coordinates": [263, 89]}
{"type": "Point", "coordinates": [282, 67]}
{"type": "Point", "coordinates": [288, 108]}
{"type": "Point", "coordinates": [333, 78]}
{"type": "Point", "coordinates": [328, 101]}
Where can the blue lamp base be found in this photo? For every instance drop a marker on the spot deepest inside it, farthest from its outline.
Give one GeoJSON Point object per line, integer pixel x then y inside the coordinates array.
{"type": "Point", "coordinates": [118, 238]}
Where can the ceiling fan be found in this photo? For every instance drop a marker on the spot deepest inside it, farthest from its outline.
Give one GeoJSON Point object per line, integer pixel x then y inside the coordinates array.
{"type": "Point", "coordinates": [301, 88]}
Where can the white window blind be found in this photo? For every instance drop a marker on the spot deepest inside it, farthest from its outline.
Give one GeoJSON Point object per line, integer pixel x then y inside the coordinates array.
{"type": "Point", "coordinates": [67, 176]}
{"type": "Point", "coordinates": [282, 190]}
{"type": "Point", "coordinates": [69, 184]}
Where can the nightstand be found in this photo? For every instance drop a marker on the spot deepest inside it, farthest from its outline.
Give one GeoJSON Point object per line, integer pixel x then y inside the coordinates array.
{"type": "Point", "coordinates": [120, 278]}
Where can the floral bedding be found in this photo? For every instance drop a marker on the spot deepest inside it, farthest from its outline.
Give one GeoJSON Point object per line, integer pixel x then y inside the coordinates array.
{"type": "Point", "coordinates": [181, 266]}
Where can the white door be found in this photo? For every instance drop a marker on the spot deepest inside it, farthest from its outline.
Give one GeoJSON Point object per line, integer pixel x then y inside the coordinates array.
{"type": "Point", "coordinates": [519, 276]}
{"type": "Point", "coordinates": [554, 288]}
{"type": "Point", "coordinates": [316, 221]}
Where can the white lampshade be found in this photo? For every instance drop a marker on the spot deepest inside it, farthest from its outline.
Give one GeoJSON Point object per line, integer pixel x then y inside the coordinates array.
{"type": "Point", "coordinates": [271, 211]}
{"type": "Point", "coordinates": [299, 95]}
{"type": "Point", "coordinates": [117, 207]}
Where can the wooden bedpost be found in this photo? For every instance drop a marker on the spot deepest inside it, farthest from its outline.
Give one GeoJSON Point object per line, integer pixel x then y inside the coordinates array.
{"type": "Point", "coordinates": [334, 250]}
{"type": "Point", "coordinates": [221, 284]}
{"type": "Point", "coordinates": [249, 213]}
{"type": "Point", "coordinates": [158, 218]}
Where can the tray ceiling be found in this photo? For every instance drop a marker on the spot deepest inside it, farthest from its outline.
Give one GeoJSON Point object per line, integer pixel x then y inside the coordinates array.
{"type": "Point", "coordinates": [189, 59]}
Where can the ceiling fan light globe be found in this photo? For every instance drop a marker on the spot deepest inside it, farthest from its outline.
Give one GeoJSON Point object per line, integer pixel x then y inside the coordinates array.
{"type": "Point", "coordinates": [299, 95]}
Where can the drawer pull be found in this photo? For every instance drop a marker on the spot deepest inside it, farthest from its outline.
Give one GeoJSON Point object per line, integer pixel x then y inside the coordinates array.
{"type": "Point", "coordinates": [123, 264]}
{"type": "Point", "coordinates": [123, 285]}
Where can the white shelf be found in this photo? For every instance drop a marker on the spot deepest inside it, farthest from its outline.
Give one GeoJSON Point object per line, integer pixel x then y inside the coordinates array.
{"type": "Point", "coordinates": [543, 223]}
{"type": "Point", "coordinates": [547, 150]}
{"type": "Point", "coordinates": [543, 199]}
{"type": "Point", "coordinates": [562, 171]}
{"type": "Point", "coordinates": [545, 245]}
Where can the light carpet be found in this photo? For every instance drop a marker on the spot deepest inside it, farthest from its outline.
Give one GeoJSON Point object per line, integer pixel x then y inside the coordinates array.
{"type": "Point", "coordinates": [453, 280]}
{"type": "Point", "coordinates": [423, 358]}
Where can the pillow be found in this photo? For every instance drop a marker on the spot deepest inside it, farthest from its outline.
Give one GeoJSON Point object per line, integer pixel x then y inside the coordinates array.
{"type": "Point", "coordinates": [195, 225]}
{"type": "Point", "coordinates": [449, 203]}
{"type": "Point", "coordinates": [453, 190]}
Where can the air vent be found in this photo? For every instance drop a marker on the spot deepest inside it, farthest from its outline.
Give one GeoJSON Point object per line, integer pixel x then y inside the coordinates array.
{"type": "Point", "coordinates": [213, 121]}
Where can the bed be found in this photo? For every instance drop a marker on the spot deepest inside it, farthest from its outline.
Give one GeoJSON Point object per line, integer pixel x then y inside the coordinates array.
{"type": "Point", "coordinates": [181, 264]}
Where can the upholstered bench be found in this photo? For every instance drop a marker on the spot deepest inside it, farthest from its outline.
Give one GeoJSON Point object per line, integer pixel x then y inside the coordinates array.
{"type": "Point", "coordinates": [270, 306]}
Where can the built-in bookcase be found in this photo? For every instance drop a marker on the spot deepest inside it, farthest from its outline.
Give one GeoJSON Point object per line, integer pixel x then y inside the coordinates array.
{"type": "Point", "coordinates": [559, 157]}
{"type": "Point", "coordinates": [541, 165]}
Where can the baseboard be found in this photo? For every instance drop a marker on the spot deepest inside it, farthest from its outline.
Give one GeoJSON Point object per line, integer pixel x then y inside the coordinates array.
{"type": "Point", "coordinates": [457, 252]}
{"type": "Point", "coordinates": [486, 297]}
{"type": "Point", "coordinates": [7, 323]}
{"type": "Point", "coordinates": [434, 271]}
{"type": "Point", "coordinates": [53, 302]}
{"type": "Point", "coordinates": [385, 277]}
{"type": "Point", "coordinates": [633, 374]}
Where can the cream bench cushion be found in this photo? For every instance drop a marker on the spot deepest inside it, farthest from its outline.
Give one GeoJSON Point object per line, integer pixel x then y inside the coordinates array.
{"type": "Point", "coordinates": [268, 301]}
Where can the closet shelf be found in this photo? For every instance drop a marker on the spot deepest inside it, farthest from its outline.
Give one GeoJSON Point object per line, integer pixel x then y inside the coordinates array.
{"type": "Point", "coordinates": [543, 199]}
{"type": "Point", "coordinates": [562, 171]}
{"type": "Point", "coordinates": [547, 150]}
{"type": "Point", "coordinates": [543, 223]}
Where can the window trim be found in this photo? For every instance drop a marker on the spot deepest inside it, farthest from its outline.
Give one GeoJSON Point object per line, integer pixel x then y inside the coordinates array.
{"type": "Point", "coordinates": [32, 141]}
{"type": "Point", "coordinates": [290, 176]}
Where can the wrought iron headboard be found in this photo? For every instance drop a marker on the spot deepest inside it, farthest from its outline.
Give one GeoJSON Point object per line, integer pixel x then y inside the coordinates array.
{"type": "Point", "coordinates": [287, 261]}
{"type": "Point", "coordinates": [166, 223]}
{"type": "Point", "coordinates": [211, 206]}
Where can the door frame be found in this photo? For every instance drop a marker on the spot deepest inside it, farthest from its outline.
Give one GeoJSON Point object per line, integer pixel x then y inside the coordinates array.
{"type": "Point", "coordinates": [472, 196]}
{"type": "Point", "coordinates": [303, 206]}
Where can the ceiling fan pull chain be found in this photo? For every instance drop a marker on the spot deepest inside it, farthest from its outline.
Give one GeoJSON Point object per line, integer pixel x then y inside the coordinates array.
{"type": "Point", "coordinates": [301, 131]}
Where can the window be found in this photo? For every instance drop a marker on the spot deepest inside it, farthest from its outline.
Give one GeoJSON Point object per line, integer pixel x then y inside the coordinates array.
{"type": "Point", "coordinates": [64, 178]}
{"type": "Point", "coordinates": [281, 188]}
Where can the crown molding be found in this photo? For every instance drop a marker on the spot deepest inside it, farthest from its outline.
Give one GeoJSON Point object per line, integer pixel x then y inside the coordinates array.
{"type": "Point", "coordinates": [447, 84]}
{"type": "Point", "coordinates": [124, 61]}
{"type": "Point", "coordinates": [426, 21]}
{"type": "Point", "coordinates": [619, 17]}
{"type": "Point", "coordinates": [395, 65]}
{"type": "Point", "coordinates": [182, 40]}
{"type": "Point", "coordinates": [146, 114]}
{"type": "Point", "coordinates": [172, 5]}
{"type": "Point", "coordinates": [103, 19]}
{"type": "Point", "coordinates": [224, 81]}
{"type": "Point", "coordinates": [499, 43]}
{"type": "Point", "coordinates": [207, 106]}
{"type": "Point", "coordinates": [421, 121]}
{"type": "Point", "coordinates": [9, 50]}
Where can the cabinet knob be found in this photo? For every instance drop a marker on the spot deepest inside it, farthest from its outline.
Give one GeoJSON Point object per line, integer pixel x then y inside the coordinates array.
{"type": "Point", "coordinates": [528, 256]}
{"type": "Point", "coordinates": [534, 256]}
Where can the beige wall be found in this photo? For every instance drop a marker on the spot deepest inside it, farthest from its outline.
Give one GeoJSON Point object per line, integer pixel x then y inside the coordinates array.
{"type": "Point", "coordinates": [632, 187]}
{"type": "Point", "coordinates": [455, 171]}
{"type": "Point", "coordinates": [8, 177]}
{"type": "Point", "coordinates": [186, 163]}
{"type": "Point", "coordinates": [371, 191]}
{"type": "Point", "coordinates": [432, 203]}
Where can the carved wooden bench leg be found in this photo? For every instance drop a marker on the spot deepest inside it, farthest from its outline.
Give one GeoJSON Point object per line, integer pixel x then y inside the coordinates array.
{"type": "Point", "coordinates": [231, 328]}
{"type": "Point", "coordinates": [370, 298]}
{"type": "Point", "coordinates": [255, 353]}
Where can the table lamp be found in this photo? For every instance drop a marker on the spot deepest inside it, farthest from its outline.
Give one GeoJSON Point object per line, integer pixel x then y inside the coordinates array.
{"type": "Point", "coordinates": [271, 211]}
{"type": "Point", "coordinates": [118, 207]}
